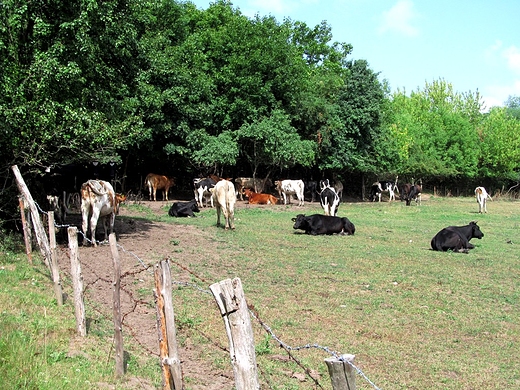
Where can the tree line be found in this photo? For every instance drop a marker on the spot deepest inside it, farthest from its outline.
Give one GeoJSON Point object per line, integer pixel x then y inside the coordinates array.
{"type": "Point", "coordinates": [162, 84]}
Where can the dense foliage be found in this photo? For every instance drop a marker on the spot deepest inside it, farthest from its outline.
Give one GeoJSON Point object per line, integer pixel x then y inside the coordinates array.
{"type": "Point", "coordinates": [212, 90]}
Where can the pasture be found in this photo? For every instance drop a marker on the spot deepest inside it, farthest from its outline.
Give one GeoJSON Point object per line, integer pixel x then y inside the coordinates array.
{"type": "Point", "coordinates": [414, 318]}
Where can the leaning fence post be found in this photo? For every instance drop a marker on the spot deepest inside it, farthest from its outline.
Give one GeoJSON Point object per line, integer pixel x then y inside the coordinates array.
{"type": "Point", "coordinates": [342, 373]}
{"type": "Point", "coordinates": [235, 313]}
{"type": "Point", "coordinates": [77, 281]}
{"type": "Point", "coordinates": [170, 362]}
{"type": "Point", "coordinates": [55, 270]}
{"type": "Point", "coordinates": [26, 231]}
{"type": "Point", "coordinates": [41, 237]}
{"type": "Point", "coordinates": [118, 331]}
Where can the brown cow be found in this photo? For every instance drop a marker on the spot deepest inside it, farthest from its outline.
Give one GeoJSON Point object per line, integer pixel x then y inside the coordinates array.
{"type": "Point", "coordinates": [259, 198]}
{"type": "Point", "coordinates": [158, 182]}
{"type": "Point", "coordinates": [256, 184]}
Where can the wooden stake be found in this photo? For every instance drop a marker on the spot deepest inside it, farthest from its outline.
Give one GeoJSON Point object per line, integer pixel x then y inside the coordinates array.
{"type": "Point", "coordinates": [235, 313]}
{"type": "Point", "coordinates": [26, 231]}
{"type": "Point", "coordinates": [342, 374]}
{"type": "Point", "coordinates": [118, 330]}
{"type": "Point", "coordinates": [55, 270]}
{"type": "Point", "coordinates": [77, 281]}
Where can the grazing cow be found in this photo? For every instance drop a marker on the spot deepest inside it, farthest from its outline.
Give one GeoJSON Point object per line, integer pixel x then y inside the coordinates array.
{"type": "Point", "coordinates": [158, 182]}
{"type": "Point", "coordinates": [202, 190]}
{"type": "Point", "coordinates": [411, 192]}
{"type": "Point", "coordinates": [258, 198]}
{"type": "Point", "coordinates": [482, 197]}
{"type": "Point", "coordinates": [225, 198]}
{"type": "Point", "coordinates": [323, 224]}
{"type": "Point", "coordinates": [456, 238]}
{"type": "Point", "coordinates": [287, 188]}
{"type": "Point", "coordinates": [184, 209]}
{"type": "Point", "coordinates": [257, 184]}
{"type": "Point", "coordinates": [329, 200]}
{"type": "Point", "coordinates": [98, 199]}
{"type": "Point", "coordinates": [311, 187]}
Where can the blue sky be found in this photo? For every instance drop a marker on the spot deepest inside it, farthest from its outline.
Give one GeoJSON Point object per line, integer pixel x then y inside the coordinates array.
{"type": "Point", "coordinates": [474, 45]}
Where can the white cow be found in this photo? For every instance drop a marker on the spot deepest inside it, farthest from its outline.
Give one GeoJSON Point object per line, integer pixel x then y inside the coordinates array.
{"type": "Point", "coordinates": [482, 197]}
{"type": "Point", "coordinates": [224, 198]}
{"type": "Point", "coordinates": [287, 188]}
{"type": "Point", "coordinates": [98, 199]}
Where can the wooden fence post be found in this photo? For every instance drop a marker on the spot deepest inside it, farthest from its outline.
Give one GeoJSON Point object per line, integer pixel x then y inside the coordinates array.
{"type": "Point", "coordinates": [342, 374]}
{"type": "Point", "coordinates": [41, 237]}
{"type": "Point", "coordinates": [26, 231]}
{"type": "Point", "coordinates": [55, 270]}
{"type": "Point", "coordinates": [118, 331]}
{"type": "Point", "coordinates": [170, 362]}
{"type": "Point", "coordinates": [77, 281]}
{"type": "Point", "coordinates": [235, 313]}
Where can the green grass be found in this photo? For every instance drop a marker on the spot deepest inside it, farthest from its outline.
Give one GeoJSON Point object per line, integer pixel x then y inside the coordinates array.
{"type": "Point", "coordinates": [414, 318]}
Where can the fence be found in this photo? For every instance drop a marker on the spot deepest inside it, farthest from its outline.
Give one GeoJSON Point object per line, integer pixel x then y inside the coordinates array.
{"type": "Point", "coordinates": [228, 295]}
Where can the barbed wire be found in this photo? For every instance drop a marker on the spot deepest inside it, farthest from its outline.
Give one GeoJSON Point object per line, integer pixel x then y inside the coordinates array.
{"type": "Point", "coordinates": [288, 348]}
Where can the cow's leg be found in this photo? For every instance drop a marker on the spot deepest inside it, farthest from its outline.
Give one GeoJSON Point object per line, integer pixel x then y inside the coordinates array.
{"type": "Point", "coordinates": [218, 213]}
{"type": "Point", "coordinates": [93, 224]}
{"type": "Point", "coordinates": [84, 222]}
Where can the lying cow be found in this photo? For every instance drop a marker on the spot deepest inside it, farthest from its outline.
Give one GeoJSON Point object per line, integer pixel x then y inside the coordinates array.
{"type": "Point", "coordinates": [456, 238]}
{"type": "Point", "coordinates": [288, 188]}
{"type": "Point", "coordinates": [257, 185]}
{"type": "Point", "coordinates": [258, 198]}
{"type": "Point", "coordinates": [329, 200]}
{"type": "Point", "coordinates": [98, 199]}
{"type": "Point", "coordinates": [158, 182]}
{"type": "Point", "coordinates": [323, 224]}
{"type": "Point", "coordinates": [482, 197]}
{"type": "Point", "coordinates": [224, 198]}
{"type": "Point", "coordinates": [184, 209]}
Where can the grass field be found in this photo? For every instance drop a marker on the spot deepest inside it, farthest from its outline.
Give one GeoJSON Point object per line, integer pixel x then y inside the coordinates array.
{"type": "Point", "coordinates": [414, 318]}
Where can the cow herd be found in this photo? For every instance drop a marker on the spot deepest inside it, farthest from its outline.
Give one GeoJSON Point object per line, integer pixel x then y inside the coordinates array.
{"type": "Point", "coordinates": [98, 200]}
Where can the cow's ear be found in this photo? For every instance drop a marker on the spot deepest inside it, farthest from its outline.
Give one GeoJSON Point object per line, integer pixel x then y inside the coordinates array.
{"type": "Point", "coordinates": [293, 219]}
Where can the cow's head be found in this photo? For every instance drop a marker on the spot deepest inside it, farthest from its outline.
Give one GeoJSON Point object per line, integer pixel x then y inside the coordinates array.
{"type": "Point", "coordinates": [300, 222]}
{"type": "Point", "coordinates": [475, 230]}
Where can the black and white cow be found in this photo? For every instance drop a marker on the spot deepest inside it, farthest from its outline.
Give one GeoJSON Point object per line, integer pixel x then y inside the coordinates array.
{"type": "Point", "coordinates": [323, 224]}
{"type": "Point", "coordinates": [184, 209]}
{"type": "Point", "coordinates": [311, 187]}
{"type": "Point", "coordinates": [201, 189]}
{"type": "Point", "coordinates": [383, 186]}
{"type": "Point", "coordinates": [329, 200]}
{"type": "Point", "coordinates": [411, 192]}
{"type": "Point", "coordinates": [456, 238]}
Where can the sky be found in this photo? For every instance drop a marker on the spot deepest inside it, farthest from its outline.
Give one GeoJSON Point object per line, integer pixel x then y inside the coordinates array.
{"type": "Point", "coordinates": [474, 45]}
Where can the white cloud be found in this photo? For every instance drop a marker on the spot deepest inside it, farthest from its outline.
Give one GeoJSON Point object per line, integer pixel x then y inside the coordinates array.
{"type": "Point", "coordinates": [496, 95]}
{"type": "Point", "coordinates": [512, 55]}
{"type": "Point", "coordinates": [400, 18]}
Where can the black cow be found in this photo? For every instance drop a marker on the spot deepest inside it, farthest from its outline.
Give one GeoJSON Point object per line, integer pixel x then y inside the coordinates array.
{"type": "Point", "coordinates": [411, 192]}
{"type": "Point", "coordinates": [323, 224]}
{"type": "Point", "coordinates": [456, 238]}
{"type": "Point", "coordinates": [311, 187]}
{"type": "Point", "coordinates": [184, 209]}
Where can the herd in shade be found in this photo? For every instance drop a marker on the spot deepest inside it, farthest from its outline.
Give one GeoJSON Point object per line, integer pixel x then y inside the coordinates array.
{"type": "Point", "coordinates": [98, 200]}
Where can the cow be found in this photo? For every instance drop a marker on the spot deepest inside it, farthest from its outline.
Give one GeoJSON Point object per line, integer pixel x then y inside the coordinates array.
{"type": "Point", "coordinates": [256, 184]}
{"type": "Point", "coordinates": [482, 196]}
{"type": "Point", "coordinates": [323, 224]}
{"type": "Point", "coordinates": [411, 192]}
{"type": "Point", "coordinates": [287, 188]}
{"type": "Point", "coordinates": [58, 206]}
{"type": "Point", "coordinates": [224, 197]}
{"type": "Point", "coordinates": [202, 190]}
{"type": "Point", "coordinates": [311, 187]}
{"type": "Point", "coordinates": [338, 187]}
{"type": "Point", "coordinates": [383, 186]}
{"type": "Point", "coordinates": [456, 238]}
{"type": "Point", "coordinates": [259, 198]}
{"type": "Point", "coordinates": [184, 209]}
{"type": "Point", "coordinates": [329, 200]}
{"type": "Point", "coordinates": [158, 182]}
{"type": "Point", "coordinates": [98, 199]}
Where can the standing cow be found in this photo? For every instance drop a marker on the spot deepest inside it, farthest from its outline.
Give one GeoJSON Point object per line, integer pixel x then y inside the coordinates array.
{"type": "Point", "coordinates": [224, 198]}
{"type": "Point", "coordinates": [329, 200]}
{"type": "Point", "coordinates": [288, 188]}
{"type": "Point", "coordinates": [98, 199]}
{"type": "Point", "coordinates": [158, 182]}
{"type": "Point", "coordinates": [482, 196]}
